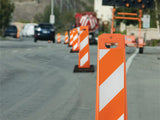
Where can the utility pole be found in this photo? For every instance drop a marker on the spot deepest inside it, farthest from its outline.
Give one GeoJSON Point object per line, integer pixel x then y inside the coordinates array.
{"type": "Point", "coordinates": [157, 21]}
{"type": "Point", "coordinates": [52, 16]}
{"type": "Point", "coordinates": [61, 6]}
{"type": "Point", "coordinates": [52, 7]}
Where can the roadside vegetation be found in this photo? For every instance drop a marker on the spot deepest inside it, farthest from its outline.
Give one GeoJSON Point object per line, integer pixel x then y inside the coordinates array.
{"type": "Point", "coordinates": [153, 43]}
{"type": "Point", "coordinates": [6, 10]}
{"type": "Point", "coordinates": [64, 17]}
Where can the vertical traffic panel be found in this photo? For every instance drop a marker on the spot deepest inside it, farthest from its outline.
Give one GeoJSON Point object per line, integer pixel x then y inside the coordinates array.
{"type": "Point", "coordinates": [75, 47]}
{"type": "Point", "coordinates": [71, 38]}
{"type": "Point", "coordinates": [66, 38]}
{"type": "Point", "coordinates": [84, 55]}
{"type": "Point", "coordinates": [111, 94]}
{"type": "Point", "coordinates": [58, 38]}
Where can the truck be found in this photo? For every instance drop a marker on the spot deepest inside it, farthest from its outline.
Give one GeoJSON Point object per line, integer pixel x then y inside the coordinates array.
{"type": "Point", "coordinates": [88, 19]}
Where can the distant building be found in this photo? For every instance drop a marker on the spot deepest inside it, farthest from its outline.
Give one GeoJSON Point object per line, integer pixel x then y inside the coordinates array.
{"type": "Point", "coordinates": [104, 13]}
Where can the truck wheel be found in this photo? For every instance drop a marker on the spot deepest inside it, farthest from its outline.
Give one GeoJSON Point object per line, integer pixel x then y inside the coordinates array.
{"type": "Point", "coordinates": [53, 40]}
{"type": "Point", "coordinates": [141, 50]}
{"type": "Point", "coordinates": [35, 40]}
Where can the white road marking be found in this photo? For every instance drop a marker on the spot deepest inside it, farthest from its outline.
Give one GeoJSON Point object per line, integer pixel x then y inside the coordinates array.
{"type": "Point", "coordinates": [130, 59]}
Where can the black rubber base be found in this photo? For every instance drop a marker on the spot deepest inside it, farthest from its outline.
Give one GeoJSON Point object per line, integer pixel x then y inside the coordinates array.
{"type": "Point", "coordinates": [69, 45]}
{"type": "Point", "coordinates": [91, 69]}
{"type": "Point", "coordinates": [74, 51]}
{"type": "Point", "coordinates": [65, 43]}
{"type": "Point", "coordinates": [58, 42]}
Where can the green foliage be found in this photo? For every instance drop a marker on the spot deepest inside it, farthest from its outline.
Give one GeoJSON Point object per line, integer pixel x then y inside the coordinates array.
{"type": "Point", "coordinates": [6, 9]}
{"type": "Point", "coordinates": [86, 7]}
{"type": "Point", "coordinates": [153, 43]}
{"type": "Point", "coordinates": [153, 19]}
{"type": "Point", "coordinates": [64, 19]}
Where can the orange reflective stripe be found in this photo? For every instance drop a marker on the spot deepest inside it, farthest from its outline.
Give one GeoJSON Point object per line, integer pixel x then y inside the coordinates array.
{"type": "Point", "coordinates": [111, 63]}
{"type": "Point", "coordinates": [114, 109]}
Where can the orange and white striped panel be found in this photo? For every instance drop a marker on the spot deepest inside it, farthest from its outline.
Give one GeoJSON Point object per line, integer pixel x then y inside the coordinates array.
{"type": "Point", "coordinates": [58, 38]}
{"type": "Point", "coordinates": [71, 38]}
{"type": "Point", "coordinates": [111, 94]}
{"type": "Point", "coordinates": [75, 40]}
{"type": "Point", "coordinates": [84, 58]}
{"type": "Point", "coordinates": [66, 37]}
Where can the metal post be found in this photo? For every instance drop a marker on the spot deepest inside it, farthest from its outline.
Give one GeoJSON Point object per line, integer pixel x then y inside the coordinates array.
{"type": "Point", "coordinates": [112, 26]}
{"type": "Point", "coordinates": [157, 21]}
{"type": "Point", "coordinates": [140, 23]}
{"type": "Point", "coordinates": [52, 7]}
{"type": "Point", "coordinates": [61, 5]}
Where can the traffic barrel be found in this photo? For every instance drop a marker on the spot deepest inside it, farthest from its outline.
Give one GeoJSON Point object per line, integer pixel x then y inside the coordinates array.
{"type": "Point", "coordinates": [84, 55]}
{"type": "Point", "coordinates": [111, 92]}
{"type": "Point", "coordinates": [75, 47]}
{"type": "Point", "coordinates": [66, 38]}
{"type": "Point", "coordinates": [58, 38]}
{"type": "Point", "coordinates": [49, 41]}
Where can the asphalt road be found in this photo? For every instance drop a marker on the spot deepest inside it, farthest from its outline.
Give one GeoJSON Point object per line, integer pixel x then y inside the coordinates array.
{"type": "Point", "coordinates": [37, 83]}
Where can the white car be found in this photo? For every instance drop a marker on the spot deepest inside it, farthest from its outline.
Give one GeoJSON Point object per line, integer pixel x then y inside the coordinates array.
{"type": "Point", "coordinates": [28, 30]}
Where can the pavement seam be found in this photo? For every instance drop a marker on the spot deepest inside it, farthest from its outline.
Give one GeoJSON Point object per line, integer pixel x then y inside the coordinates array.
{"type": "Point", "coordinates": [130, 59]}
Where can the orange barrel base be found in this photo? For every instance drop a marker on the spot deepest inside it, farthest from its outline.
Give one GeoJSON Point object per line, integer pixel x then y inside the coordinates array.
{"type": "Point", "coordinates": [90, 69]}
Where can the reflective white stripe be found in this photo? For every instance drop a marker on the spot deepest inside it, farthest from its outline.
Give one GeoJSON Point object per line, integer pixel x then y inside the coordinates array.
{"type": "Point", "coordinates": [103, 52]}
{"type": "Point", "coordinates": [86, 22]}
{"type": "Point", "coordinates": [82, 19]}
{"type": "Point", "coordinates": [91, 23]}
{"type": "Point", "coordinates": [71, 36]}
{"type": "Point", "coordinates": [94, 22]}
{"type": "Point", "coordinates": [111, 86]}
{"type": "Point", "coordinates": [84, 43]}
{"type": "Point", "coordinates": [81, 32]}
{"type": "Point", "coordinates": [75, 46]}
{"type": "Point", "coordinates": [84, 59]}
{"type": "Point", "coordinates": [75, 37]}
{"type": "Point", "coordinates": [121, 118]}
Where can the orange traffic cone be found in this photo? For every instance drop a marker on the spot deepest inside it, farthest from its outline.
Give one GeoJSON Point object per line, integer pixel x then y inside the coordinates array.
{"type": "Point", "coordinates": [18, 36]}
{"type": "Point", "coordinates": [66, 38]}
{"type": "Point", "coordinates": [75, 47]}
{"type": "Point", "coordinates": [84, 56]}
{"type": "Point", "coordinates": [111, 94]}
{"type": "Point", "coordinates": [49, 41]}
{"type": "Point", "coordinates": [58, 38]}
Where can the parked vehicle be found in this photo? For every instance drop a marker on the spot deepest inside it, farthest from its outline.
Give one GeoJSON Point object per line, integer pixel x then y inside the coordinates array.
{"type": "Point", "coordinates": [88, 19]}
{"type": "Point", "coordinates": [28, 30]}
{"type": "Point", "coordinates": [44, 31]}
{"type": "Point", "coordinates": [11, 30]}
